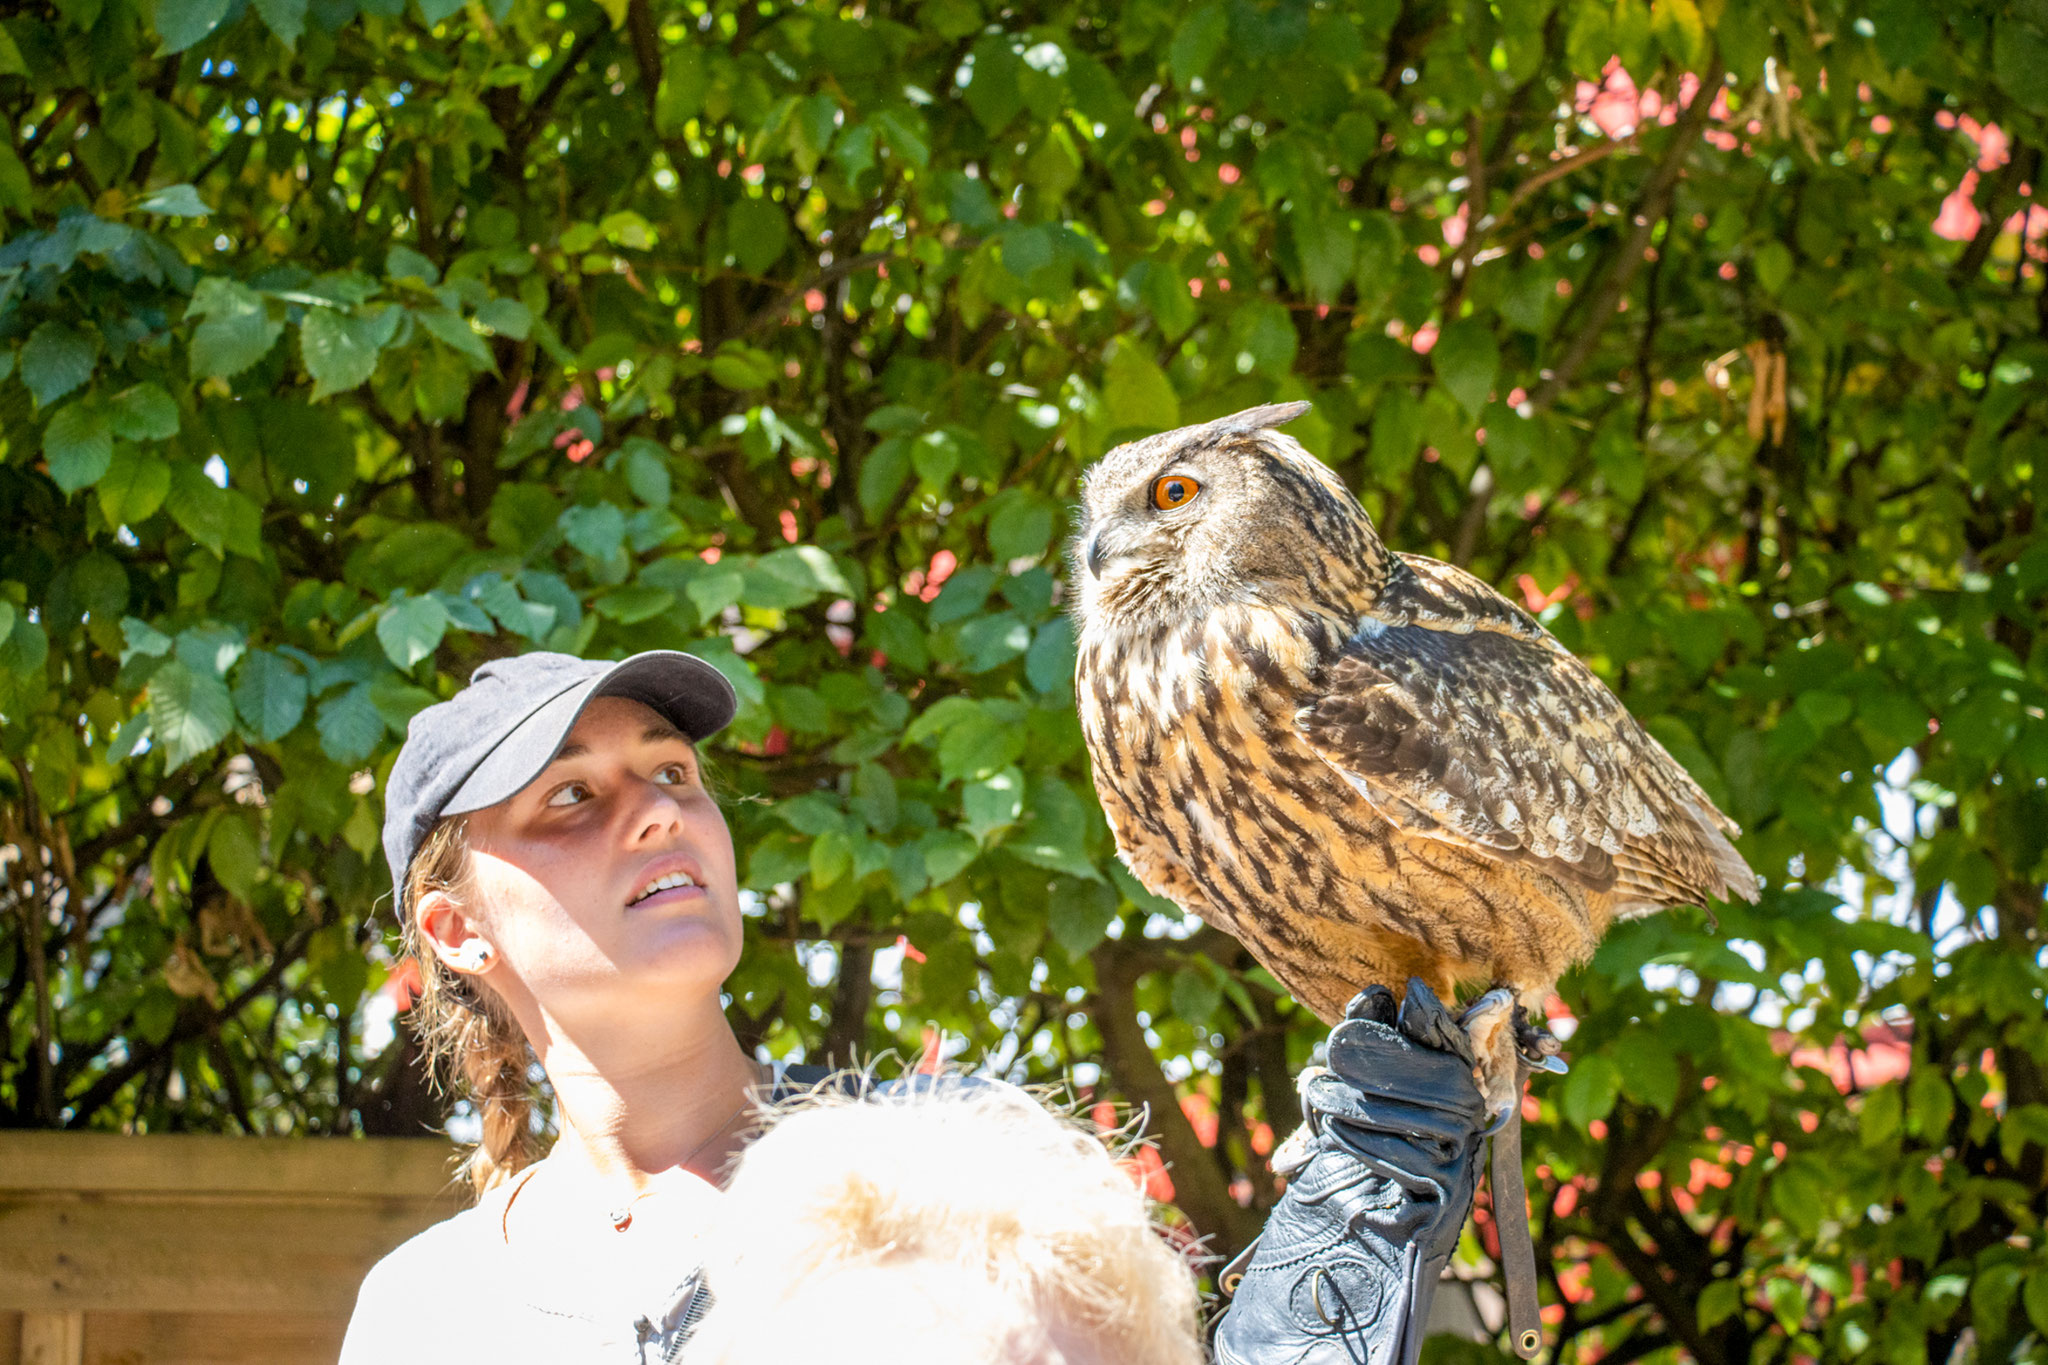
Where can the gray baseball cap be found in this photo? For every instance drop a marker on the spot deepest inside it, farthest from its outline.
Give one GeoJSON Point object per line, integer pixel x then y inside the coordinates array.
{"type": "Point", "coordinates": [485, 743]}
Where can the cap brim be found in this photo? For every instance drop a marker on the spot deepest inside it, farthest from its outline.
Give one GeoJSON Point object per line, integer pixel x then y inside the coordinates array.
{"type": "Point", "coordinates": [689, 693]}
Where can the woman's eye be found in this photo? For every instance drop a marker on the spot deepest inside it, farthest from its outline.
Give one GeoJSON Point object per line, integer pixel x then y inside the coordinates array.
{"type": "Point", "coordinates": [675, 773]}
{"type": "Point", "coordinates": [1174, 490]}
{"type": "Point", "coordinates": [570, 794]}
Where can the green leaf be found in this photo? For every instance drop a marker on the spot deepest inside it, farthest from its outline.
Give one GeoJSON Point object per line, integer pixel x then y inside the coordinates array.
{"type": "Point", "coordinates": [1197, 42]}
{"type": "Point", "coordinates": [1055, 833]}
{"type": "Point", "coordinates": [185, 22]}
{"type": "Point", "coordinates": [1719, 1301]}
{"type": "Point", "coordinates": [935, 455]}
{"type": "Point", "coordinates": [2035, 1297]}
{"type": "Point", "coordinates": [235, 855]}
{"type": "Point", "coordinates": [532, 620]}
{"type": "Point", "coordinates": [992, 93]}
{"type": "Point", "coordinates": [403, 263]}
{"type": "Point", "coordinates": [1327, 249]}
{"type": "Point", "coordinates": [1773, 265]}
{"type": "Point", "coordinates": [970, 203]}
{"type": "Point", "coordinates": [2019, 58]}
{"type": "Point", "coordinates": [947, 853]}
{"type": "Point", "coordinates": [1022, 529]}
{"type": "Point", "coordinates": [1049, 663]}
{"type": "Point", "coordinates": [633, 604]}
{"type": "Point", "coordinates": [904, 132]}
{"type": "Point", "coordinates": [1026, 251]}
{"type": "Point", "coordinates": [455, 332]}
{"type": "Point", "coordinates": [211, 650]}
{"type": "Point", "coordinates": [742, 368]}
{"type": "Point", "coordinates": [56, 360]}
{"type": "Point", "coordinates": [506, 318]}
{"type": "Point", "coordinates": [1080, 917]}
{"type": "Point", "coordinates": [349, 725]}
{"type": "Point", "coordinates": [1137, 392]}
{"type": "Point", "coordinates": [598, 531]}
{"type": "Point", "coordinates": [144, 413]}
{"type": "Point", "coordinates": [24, 650]}
{"type": "Point", "coordinates": [1467, 360]}
{"type": "Point", "coordinates": [711, 593]}
{"type": "Point", "coordinates": [174, 201]}
{"type": "Point", "coordinates": [1649, 1069]}
{"type": "Point", "coordinates": [994, 803]}
{"type": "Point", "coordinates": [1195, 996]}
{"type": "Point", "coordinates": [11, 63]}
{"type": "Point", "coordinates": [287, 19]}
{"type": "Point", "coordinates": [1906, 30]}
{"type": "Point", "coordinates": [1590, 1090]}
{"type": "Point", "coordinates": [340, 349]}
{"type": "Point", "coordinates": [78, 445]}
{"type": "Point", "coordinates": [270, 694]}
{"type": "Point", "coordinates": [411, 629]}
{"type": "Point", "coordinates": [758, 233]}
{"type": "Point", "coordinates": [144, 639]}
{"type": "Point", "coordinates": [647, 472]}
{"type": "Point", "coordinates": [882, 475]}
{"type": "Point", "coordinates": [199, 507]}
{"type": "Point", "coordinates": [831, 858]}
{"type": "Point", "coordinates": [237, 332]}
{"type": "Point", "coordinates": [189, 712]}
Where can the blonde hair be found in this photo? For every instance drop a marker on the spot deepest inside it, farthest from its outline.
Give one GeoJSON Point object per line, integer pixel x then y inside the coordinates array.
{"type": "Point", "coordinates": [965, 1221]}
{"type": "Point", "coordinates": [470, 1038]}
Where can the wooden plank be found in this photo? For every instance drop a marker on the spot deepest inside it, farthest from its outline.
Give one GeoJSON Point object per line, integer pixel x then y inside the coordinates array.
{"type": "Point", "coordinates": [212, 1339]}
{"type": "Point", "coordinates": [52, 1338]}
{"type": "Point", "coordinates": [164, 1254]}
{"type": "Point", "coordinates": [10, 1337]}
{"type": "Point", "coordinates": [115, 1163]}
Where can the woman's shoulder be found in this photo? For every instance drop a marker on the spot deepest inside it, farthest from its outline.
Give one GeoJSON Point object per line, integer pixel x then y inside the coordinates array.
{"type": "Point", "coordinates": [404, 1298]}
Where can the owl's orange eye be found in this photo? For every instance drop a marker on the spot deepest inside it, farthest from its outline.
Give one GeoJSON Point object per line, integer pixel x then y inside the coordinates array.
{"type": "Point", "coordinates": [1174, 490]}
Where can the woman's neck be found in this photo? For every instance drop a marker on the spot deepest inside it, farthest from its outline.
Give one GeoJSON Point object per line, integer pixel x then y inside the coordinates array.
{"type": "Point", "coordinates": [659, 1093]}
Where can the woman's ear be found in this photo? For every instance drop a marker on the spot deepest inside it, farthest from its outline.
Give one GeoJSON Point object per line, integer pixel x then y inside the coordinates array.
{"type": "Point", "coordinates": [452, 936]}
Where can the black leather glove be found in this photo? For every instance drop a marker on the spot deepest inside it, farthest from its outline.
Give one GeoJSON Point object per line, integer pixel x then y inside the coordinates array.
{"type": "Point", "coordinates": [1349, 1260]}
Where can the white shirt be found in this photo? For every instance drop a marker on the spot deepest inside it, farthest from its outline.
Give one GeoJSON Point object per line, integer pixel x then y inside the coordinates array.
{"type": "Point", "coordinates": [463, 1289]}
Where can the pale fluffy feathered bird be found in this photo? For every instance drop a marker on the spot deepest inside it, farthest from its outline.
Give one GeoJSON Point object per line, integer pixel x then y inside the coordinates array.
{"type": "Point", "coordinates": [1364, 765]}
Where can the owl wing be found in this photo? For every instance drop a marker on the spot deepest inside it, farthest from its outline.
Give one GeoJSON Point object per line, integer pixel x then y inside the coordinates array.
{"type": "Point", "coordinates": [1460, 718]}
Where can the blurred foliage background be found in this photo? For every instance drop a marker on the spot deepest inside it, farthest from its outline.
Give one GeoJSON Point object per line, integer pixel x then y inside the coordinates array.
{"type": "Point", "coordinates": [345, 344]}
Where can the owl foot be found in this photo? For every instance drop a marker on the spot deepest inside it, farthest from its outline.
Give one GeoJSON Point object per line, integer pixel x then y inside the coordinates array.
{"type": "Point", "coordinates": [1491, 1022]}
{"type": "Point", "coordinates": [1541, 1049]}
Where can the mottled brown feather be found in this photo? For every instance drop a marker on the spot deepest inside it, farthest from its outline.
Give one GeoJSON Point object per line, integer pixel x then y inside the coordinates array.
{"type": "Point", "coordinates": [1365, 766]}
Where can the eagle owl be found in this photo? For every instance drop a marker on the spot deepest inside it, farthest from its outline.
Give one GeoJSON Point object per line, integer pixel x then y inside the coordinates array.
{"type": "Point", "coordinates": [1364, 765]}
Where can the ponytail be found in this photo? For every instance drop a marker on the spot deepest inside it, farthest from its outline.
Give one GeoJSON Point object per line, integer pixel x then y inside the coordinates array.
{"type": "Point", "coordinates": [468, 1034]}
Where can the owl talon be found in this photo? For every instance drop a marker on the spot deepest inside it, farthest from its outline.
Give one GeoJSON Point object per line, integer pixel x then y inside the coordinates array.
{"type": "Point", "coordinates": [1540, 1049]}
{"type": "Point", "coordinates": [1491, 1024]}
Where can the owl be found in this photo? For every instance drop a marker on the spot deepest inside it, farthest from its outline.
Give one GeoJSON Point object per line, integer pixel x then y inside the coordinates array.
{"type": "Point", "coordinates": [1362, 764]}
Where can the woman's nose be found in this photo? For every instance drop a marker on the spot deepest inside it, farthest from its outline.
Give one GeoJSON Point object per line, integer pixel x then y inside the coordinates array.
{"type": "Point", "coordinates": [656, 811]}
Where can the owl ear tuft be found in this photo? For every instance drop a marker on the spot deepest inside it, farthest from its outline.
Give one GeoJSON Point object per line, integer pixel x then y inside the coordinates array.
{"type": "Point", "coordinates": [1262, 418]}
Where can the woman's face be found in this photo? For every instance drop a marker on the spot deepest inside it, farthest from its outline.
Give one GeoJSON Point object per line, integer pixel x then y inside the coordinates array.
{"type": "Point", "coordinates": [611, 870]}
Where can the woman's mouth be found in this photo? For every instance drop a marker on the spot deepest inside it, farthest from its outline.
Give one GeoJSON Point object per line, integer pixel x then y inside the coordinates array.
{"type": "Point", "coordinates": [668, 886]}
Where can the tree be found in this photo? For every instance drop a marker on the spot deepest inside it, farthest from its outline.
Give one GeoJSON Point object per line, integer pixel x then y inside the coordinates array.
{"type": "Point", "coordinates": [347, 343]}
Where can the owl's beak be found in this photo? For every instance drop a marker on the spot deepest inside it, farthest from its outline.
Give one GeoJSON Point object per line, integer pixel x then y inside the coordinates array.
{"type": "Point", "coordinates": [1096, 554]}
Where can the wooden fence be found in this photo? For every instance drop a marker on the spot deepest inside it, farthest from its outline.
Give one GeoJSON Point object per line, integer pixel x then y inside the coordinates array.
{"type": "Point", "coordinates": [199, 1250]}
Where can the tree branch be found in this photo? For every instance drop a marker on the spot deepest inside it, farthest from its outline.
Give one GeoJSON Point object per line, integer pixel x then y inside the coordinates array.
{"type": "Point", "coordinates": [1200, 1189]}
{"type": "Point", "coordinates": [1603, 300]}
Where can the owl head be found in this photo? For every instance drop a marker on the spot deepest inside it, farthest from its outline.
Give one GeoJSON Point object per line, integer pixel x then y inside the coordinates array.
{"type": "Point", "coordinates": [1177, 524]}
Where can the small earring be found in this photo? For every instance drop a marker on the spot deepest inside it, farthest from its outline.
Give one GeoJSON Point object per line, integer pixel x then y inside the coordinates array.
{"type": "Point", "coordinates": [474, 957]}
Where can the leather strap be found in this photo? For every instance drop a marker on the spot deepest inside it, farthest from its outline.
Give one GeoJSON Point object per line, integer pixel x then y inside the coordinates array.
{"type": "Point", "coordinates": [1517, 1254]}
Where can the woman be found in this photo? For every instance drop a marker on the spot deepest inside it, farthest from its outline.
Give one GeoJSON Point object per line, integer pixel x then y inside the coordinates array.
{"type": "Point", "coordinates": [567, 885]}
